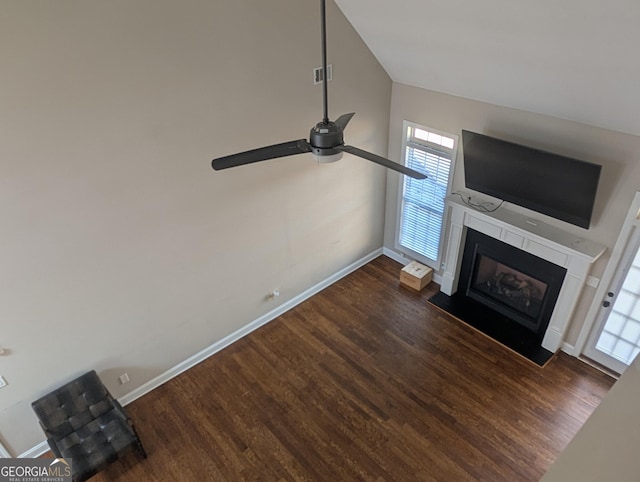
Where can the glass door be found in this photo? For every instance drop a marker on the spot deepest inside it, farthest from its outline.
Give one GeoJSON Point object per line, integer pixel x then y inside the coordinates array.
{"type": "Point", "coordinates": [615, 341]}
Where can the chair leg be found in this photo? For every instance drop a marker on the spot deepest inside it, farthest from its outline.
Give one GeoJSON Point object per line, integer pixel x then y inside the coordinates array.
{"type": "Point", "coordinates": [139, 447]}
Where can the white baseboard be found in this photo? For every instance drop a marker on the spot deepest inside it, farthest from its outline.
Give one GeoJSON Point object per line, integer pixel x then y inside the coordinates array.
{"type": "Point", "coordinates": [245, 330]}
{"type": "Point", "coordinates": [396, 256]}
{"type": "Point", "coordinates": [226, 341]}
{"type": "Point", "coordinates": [568, 349]}
{"type": "Point", "coordinates": [36, 451]}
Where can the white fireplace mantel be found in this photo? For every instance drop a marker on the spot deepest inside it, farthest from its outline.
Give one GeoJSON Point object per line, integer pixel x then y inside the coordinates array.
{"type": "Point", "coordinates": [559, 247]}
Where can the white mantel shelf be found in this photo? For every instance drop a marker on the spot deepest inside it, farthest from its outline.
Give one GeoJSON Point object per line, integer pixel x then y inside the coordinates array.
{"type": "Point", "coordinates": [555, 245]}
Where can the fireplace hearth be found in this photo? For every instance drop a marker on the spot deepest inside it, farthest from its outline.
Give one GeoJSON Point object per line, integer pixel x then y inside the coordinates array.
{"type": "Point", "coordinates": [494, 325]}
{"type": "Point", "coordinates": [506, 293]}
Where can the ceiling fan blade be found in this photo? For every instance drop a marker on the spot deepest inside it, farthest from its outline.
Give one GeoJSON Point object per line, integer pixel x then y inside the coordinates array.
{"type": "Point", "coordinates": [382, 161]}
{"type": "Point", "coordinates": [344, 119]}
{"type": "Point", "coordinates": [262, 154]}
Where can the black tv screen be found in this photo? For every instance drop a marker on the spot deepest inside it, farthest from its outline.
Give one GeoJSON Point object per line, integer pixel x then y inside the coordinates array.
{"type": "Point", "coordinates": [558, 186]}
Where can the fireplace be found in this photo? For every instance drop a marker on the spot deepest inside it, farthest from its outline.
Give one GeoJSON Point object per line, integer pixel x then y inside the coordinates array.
{"type": "Point", "coordinates": [550, 308]}
{"type": "Point", "coordinates": [522, 287]}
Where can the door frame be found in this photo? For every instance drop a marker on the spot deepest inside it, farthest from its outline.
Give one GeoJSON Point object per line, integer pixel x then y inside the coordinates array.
{"type": "Point", "coordinates": [631, 222]}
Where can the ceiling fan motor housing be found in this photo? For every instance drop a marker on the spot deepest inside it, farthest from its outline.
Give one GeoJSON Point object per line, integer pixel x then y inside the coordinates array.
{"type": "Point", "coordinates": [325, 137]}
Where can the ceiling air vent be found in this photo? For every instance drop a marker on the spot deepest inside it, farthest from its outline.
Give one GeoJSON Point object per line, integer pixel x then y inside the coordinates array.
{"type": "Point", "coordinates": [318, 76]}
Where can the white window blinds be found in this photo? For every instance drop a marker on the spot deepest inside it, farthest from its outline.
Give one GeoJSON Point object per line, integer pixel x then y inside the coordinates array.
{"type": "Point", "coordinates": [422, 201]}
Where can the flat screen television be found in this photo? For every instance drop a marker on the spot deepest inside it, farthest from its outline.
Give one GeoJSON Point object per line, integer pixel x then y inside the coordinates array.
{"type": "Point", "coordinates": [551, 184]}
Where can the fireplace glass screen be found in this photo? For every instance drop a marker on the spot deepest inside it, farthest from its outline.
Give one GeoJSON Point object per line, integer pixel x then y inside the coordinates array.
{"type": "Point", "coordinates": [509, 286]}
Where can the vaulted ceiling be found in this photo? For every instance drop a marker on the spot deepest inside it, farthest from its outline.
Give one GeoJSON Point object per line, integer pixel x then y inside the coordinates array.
{"type": "Point", "coordinates": [573, 59]}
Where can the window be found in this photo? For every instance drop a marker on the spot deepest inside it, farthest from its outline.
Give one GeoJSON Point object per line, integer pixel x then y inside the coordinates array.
{"type": "Point", "coordinates": [421, 216]}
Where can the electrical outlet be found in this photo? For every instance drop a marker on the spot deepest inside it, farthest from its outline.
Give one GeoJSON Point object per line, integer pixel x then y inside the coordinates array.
{"type": "Point", "coordinates": [124, 378]}
{"type": "Point", "coordinates": [273, 295]}
{"type": "Point", "coordinates": [593, 281]}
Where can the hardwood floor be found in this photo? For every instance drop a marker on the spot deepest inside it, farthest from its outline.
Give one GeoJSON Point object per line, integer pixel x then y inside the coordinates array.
{"type": "Point", "coordinates": [365, 381]}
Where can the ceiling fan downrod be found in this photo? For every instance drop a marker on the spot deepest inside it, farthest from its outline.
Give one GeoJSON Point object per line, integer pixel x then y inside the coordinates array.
{"type": "Point", "coordinates": [325, 89]}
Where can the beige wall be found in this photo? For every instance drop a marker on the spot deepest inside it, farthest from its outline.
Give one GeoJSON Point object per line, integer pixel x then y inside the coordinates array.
{"type": "Point", "coordinates": [606, 447]}
{"type": "Point", "coordinates": [619, 154]}
{"type": "Point", "coordinates": [121, 249]}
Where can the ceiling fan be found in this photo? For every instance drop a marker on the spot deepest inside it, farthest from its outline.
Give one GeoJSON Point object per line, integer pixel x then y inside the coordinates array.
{"type": "Point", "coordinates": [326, 140]}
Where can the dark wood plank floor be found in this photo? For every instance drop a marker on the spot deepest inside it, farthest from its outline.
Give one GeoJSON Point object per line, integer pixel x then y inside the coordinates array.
{"type": "Point", "coordinates": [365, 381]}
